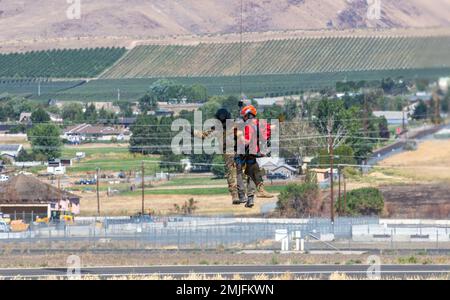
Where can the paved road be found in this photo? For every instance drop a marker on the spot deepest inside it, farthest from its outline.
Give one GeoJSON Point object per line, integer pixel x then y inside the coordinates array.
{"type": "Point", "coordinates": [245, 271]}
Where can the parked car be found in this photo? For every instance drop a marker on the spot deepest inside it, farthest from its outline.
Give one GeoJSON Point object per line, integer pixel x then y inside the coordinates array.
{"type": "Point", "coordinates": [4, 227]}
{"type": "Point", "coordinates": [273, 176]}
{"type": "Point", "coordinates": [139, 218]}
{"type": "Point", "coordinates": [5, 218]}
{"type": "Point", "coordinates": [86, 182]}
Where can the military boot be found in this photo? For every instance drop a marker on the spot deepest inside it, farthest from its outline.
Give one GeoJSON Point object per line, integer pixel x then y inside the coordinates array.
{"type": "Point", "coordinates": [262, 193]}
{"type": "Point", "coordinates": [242, 198]}
{"type": "Point", "coordinates": [250, 202]}
{"type": "Point", "coordinates": [235, 198]}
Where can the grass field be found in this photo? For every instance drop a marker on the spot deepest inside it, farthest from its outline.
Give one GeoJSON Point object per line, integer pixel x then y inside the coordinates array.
{"type": "Point", "coordinates": [109, 159]}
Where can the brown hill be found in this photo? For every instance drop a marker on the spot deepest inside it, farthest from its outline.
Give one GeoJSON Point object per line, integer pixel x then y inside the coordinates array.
{"type": "Point", "coordinates": [47, 19]}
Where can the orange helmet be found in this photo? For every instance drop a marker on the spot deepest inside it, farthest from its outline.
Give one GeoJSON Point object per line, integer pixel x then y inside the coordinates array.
{"type": "Point", "coordinates": [249, 109]}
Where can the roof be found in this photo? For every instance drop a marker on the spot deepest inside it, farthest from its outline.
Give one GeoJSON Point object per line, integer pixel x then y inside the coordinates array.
{"type": "Point", "coordinates": [28, 189]}
{"type": "Point", "coordinates": [266, 101]}
{"type": "Point", "coordinates": [10, 148]}
{"type": "Point", "coordinates": [121, 121]}
{"type": "Point", "coordinates": [92, 130]}
{"type": "Point", "coordinates": [391, 115]}
{"type": "Point", "coordinates": [24, 115]}
{"type": "Point", "coordinates": [292, 169]}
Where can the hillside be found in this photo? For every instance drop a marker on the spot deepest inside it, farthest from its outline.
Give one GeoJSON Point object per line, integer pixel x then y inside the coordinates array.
{"type": "Point", "coordinates": [291, 56]}
{"type": "Point", "coordinates": [46, 19]}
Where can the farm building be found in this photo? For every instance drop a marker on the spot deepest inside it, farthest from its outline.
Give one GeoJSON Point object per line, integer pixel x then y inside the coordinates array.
{"type": "Point", "coordinates": [27, 195]}
{"type": "Point", "coordinates": [10, 152]}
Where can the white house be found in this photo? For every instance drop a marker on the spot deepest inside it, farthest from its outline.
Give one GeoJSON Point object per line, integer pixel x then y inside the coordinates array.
{"type": "Point", "coordinates": [276, 165]}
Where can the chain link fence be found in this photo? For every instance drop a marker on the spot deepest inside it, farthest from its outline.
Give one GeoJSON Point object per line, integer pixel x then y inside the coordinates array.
{"type": "Point", "coordinates": [185, 233]}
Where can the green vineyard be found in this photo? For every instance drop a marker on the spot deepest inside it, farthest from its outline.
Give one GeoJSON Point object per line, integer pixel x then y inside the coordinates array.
{"type": "Point", "coordinates": [270, 68]}
{"type": "Point", "coordinates": [66, 63]}
{"type": "Point", "coordinates": [293, 56]}
{"type": "Point", "coordinates": [252, 86]}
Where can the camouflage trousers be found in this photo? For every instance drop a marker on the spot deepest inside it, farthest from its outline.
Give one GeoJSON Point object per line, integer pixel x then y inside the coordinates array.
{"type": "Point", "coordinates": [231, 174]}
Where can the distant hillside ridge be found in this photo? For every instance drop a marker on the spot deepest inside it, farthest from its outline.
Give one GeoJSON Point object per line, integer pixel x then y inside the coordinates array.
{"type": "Point", "coordinates": [289, 56]}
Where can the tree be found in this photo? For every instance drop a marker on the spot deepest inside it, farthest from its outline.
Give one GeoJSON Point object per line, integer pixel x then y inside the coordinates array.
{"type": "Point", "coordinates": [343, 156]}
{"type": "Point", "coordinates": [218, 168]}
{"type": "Point", "coordinates": [421, 111]}
{"type": "Point", "coordinates": [365, 202]}
{"type": "Point", "coordinates": [197, 93]}
{"type": "Point", "coordinates": [148, 102]}
{"type": "Point", "coordinates": [73, 112]}
{"type": "Point", "coordinates": [144, 132]}
{"type": "Point", "coordinates": [90, 114]}
{"type": "Point", "coordinates": [40, 116]}
{"type": "Point", "coordinates": [45, 140]}
{"type": "Point", "coordinates": [171, 162]}
{"type": "Point", "coordinates": [383, 128]}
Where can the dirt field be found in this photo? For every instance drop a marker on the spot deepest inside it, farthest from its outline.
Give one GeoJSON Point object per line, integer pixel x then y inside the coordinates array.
{"type": "Point", "coordinates": [417, 201]}
{"type": "Point", "coordinates": [164, 204]}
{"type": "Point", "coordinates": [203, 258]}
{"type": "Point", "coordinates": [14, 139]}
{"type": "Point", "coordinates": [430, 162]}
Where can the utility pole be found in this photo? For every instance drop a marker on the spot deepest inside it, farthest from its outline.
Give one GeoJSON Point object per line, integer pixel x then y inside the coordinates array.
{"type": "Point", "coordinates": [59, 191]}
{"type": "Point", "coordinates": [98, 193]}
{"type": "Point", "coordinates": [330, 141]}
{"type": "Point", "coordinates": [345, 195]}
{"type": "Point", "coordinates": [339, 196]}
{"type": "Point", "coordinates": [437, 107]}
{"type": "Point", "coordinates": [143, 186]}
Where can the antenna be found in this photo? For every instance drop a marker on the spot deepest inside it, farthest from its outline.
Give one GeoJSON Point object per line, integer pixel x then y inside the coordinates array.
{"type": "Point", "coordinates": [240, 50]}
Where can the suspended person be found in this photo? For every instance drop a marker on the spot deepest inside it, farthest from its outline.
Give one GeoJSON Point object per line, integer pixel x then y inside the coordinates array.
{"type": "Point", "coordinates": [246, 163]}
{"type": "Point", "coordinates": [236, 185]}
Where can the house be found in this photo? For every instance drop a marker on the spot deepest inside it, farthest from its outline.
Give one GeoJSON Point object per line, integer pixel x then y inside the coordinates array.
{"type": "Point", "coordinates": [162, 113]}
{"type": "Point", "coordinates": [176, 108]}
{"type": "Point", "coordinates": [265, 102]}
{"type": "Point", "coordinates": [88, 132]}
{"type": "Point", "coordinates": [25, 117]}
{"type": "Point", "coordinates": [421, 96]}
{"type": "Point", "coordinates": [11, 152]}
{"type": "Point", "coordinates": [276, 165]}
{"type": "Point", "coordinates": [109, 106]}
{"type": "Point", "coordinates": [122, 121]}
{"type": "Point", "coordinates": [58, 166]}
{"type": "Point", "coordinates": [393, 117]}
{"type": "Point", "coordinates": [323, 176]}
{"type": "Point", "coordinates": [28, 195]}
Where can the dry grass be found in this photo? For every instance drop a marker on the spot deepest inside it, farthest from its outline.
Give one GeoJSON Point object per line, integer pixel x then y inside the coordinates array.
{"type": "Point", "coordinates": [430, 162]}
{"type": "Point", "coordinates": [156, 258]}
{"type": "Point", "coordinates": [14, 139]}
{"type": "Point", "coordinates": [164, 204]}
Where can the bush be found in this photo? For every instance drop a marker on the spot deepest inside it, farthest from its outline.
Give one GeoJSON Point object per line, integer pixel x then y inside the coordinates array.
{"type": "Point", "coordinates": [365, 202]}
{"type": "Point", "coordinates": [297, 200]}
{"type": "Point", "coordinates": [218, 168]}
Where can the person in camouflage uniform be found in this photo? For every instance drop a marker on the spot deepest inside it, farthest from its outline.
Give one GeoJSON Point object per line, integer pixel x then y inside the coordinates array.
{"type": "Point", "coordinates": [236, 185]}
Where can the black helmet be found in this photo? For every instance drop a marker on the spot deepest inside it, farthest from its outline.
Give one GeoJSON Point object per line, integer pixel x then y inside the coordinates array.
{"type": "Point", "coordinates": [223, 115]}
